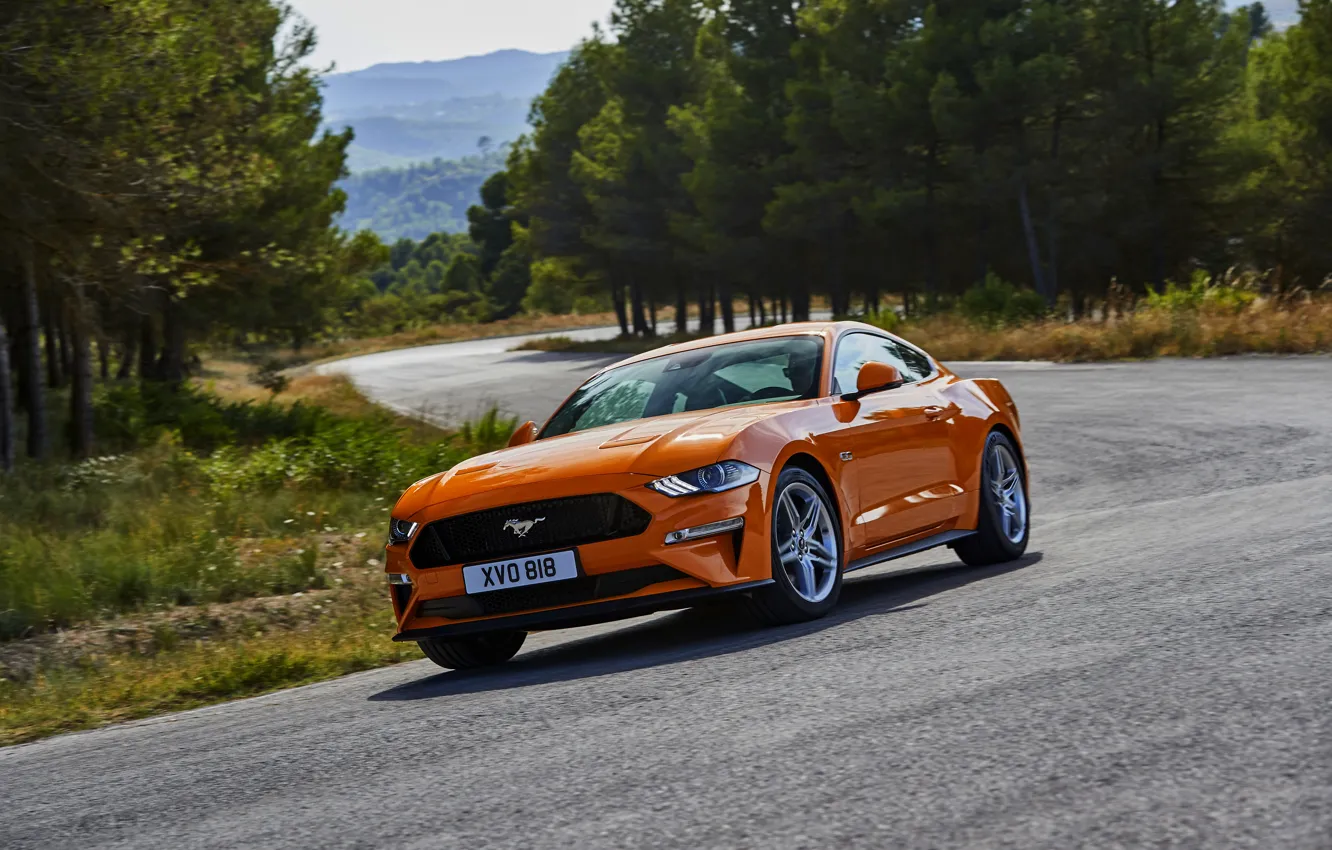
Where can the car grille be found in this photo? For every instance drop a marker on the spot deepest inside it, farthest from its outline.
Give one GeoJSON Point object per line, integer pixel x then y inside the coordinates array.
{"type": "Point", "coordinates": [563, 523]}
{"type": "Point", "coordinates": [517, 599]}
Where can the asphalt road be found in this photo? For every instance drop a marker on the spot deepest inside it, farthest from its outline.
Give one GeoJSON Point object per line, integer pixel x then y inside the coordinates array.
{"type": "Point", "coordinates": [455, 381]}
{"type": "Point", "coordinates": [1157, 672]}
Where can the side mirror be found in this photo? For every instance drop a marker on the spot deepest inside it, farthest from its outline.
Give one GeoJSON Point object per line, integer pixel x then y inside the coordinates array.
{"type": "Point", "coordinates": [525, 434]}
{"type": "Point", "coordinates": [875, 377]}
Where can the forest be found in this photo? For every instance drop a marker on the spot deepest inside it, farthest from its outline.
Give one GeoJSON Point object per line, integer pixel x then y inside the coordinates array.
{"type": "Point", "coordinates": [166, 183]}
{"type": "Point", "coordinates": [418, 200]}
{"type": "Point", "coordinates": [854, 149]}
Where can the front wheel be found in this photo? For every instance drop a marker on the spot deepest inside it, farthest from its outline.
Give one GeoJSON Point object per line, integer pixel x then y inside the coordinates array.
{"type": "Point", "coordinates": [1004, 524]}
{"type": "Point", "coordinates": [806, 553]}
{"type": "Point", "coordinates": [471, 653]}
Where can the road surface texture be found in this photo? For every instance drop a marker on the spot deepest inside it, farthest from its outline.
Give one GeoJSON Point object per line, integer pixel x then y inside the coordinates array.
{"type": "Point", "coordinates": [454, 381]}
{"type": "Point", "coordinates": [1156, 672]}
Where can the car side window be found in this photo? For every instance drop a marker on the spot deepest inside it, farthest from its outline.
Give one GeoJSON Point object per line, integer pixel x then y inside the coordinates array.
{"type": "Point", "coordinates": [918, 366]}
{"type": "Point", "coordinates": [857, 349]}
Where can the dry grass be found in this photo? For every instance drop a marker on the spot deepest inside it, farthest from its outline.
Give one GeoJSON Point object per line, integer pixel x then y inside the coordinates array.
{"type": "Point", "coordinates": [1265, 327]}
{"type": "Point", "coordinates": [229, 379]}
{"type": "Point", "coordinates": [171, 666]}
{"type": "Point", "coordinates": [310, 601]}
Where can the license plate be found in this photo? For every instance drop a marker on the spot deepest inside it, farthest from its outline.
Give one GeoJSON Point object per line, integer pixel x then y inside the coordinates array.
{"type": "Point", "coordinates": [520, 572]}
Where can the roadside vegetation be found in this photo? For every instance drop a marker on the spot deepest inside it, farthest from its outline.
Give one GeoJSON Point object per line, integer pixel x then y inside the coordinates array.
{"type": "Point", "coordinates": [219, 548]}
{"type": "Point", "coordinates": [1001, 322]}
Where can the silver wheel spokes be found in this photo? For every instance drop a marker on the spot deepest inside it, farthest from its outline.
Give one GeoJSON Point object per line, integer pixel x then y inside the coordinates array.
{"type": "Point", "coordinates": [1009, 495]}
{"type": "Point", "coordinates": [807, 545]}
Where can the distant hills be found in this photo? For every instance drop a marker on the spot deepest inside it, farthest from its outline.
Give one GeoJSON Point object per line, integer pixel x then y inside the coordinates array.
{"type": "Point", "coordinates": [418, 200]}
{"type": "Point", "coordinates": [409, 112]}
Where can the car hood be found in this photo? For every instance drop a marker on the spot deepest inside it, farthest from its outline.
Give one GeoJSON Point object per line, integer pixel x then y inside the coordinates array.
{"type": "Point", "coordinates": [659, 446]}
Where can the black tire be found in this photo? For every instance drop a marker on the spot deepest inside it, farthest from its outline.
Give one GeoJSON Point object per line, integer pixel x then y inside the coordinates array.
{"type": "Point", "coordinates": [990, 545]}
{"type": "Point", "coordinates": [778, 604]}
{"type": "Point", "coordinates": [474, 652]}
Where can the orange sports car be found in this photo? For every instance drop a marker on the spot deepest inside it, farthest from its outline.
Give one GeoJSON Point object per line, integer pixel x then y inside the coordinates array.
{"type": "Point", "coordinates": [763, 465]}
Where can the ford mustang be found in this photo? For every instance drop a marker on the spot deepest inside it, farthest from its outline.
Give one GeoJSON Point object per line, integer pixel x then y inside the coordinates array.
{"type": "Point", "coordinates": [762, 466]}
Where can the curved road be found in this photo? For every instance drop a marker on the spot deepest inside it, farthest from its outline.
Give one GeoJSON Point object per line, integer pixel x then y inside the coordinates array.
{"type": "Point", "coordinates": [1157, 672]}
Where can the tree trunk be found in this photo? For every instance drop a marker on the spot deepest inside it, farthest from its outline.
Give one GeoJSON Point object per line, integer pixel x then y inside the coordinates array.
{"type": "Point", "coordinates": [727, 308]}
{"type": "Point", "coordinates": [103, 357]}
{"type": "Point", "coordinates": [763, 312]}
{"type": "Point", "coordinates": [636, 308]}
{"type": "Point", "coordinates": [6, 403]}
{"type": "Point", "coordinates": [800, 295]}
{"type": "Point", "coordinates": [66, 354]}
{"type": "Point", "coordinates": [33, 360]}
{"type": "Point", "coordinates": [171, 367]}
{"type": "Point", "coordinates": [127, 352]}
{"type": "Point", "coordinates": [752, 316]}
{"type": "Point", "coordinates": [706, 325]}
{"type": "Point", "coordinates": [681, 308]}
{"type": "Point", "coordinates": [781, 301]}
{"type": "Point", "coordinates": [1033, 250]}
{"type": "Point", "coordinates": [1158, 214]}
{"type": "Point", "coordinates": [931, 235]}
{"type": "Point", "coordinates": [147, 350]}
{"type": "Point", "coordinates": [621, 314]}
{"type": "Point", "coordinates": [652, 314]}
{"type": "Point", "coordinates": [54, 361]}
{"type": "Point", "coordinates": [80, 397]}
{"type": "Point", "coordinates": [836, 276]}
{"type": "Point", "coordinates": [1052, 216]}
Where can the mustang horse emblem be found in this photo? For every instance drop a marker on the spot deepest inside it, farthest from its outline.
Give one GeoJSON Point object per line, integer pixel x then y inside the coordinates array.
{"type": "Point", "coordinates": [520, 527]}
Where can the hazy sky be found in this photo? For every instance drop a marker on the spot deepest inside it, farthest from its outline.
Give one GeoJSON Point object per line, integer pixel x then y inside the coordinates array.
{"type": "Point", "coordinates": [358, 33]}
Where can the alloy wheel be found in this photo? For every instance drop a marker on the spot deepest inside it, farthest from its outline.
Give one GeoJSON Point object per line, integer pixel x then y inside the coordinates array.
{"type": "Point", "coordinates": [807, 542]}
{"type": "Point", "coordinates": [1010, 497]}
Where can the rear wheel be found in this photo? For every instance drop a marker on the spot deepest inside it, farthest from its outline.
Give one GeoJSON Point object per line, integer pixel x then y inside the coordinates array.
{"type": "Point", "coordinates": [806, 553]}
{"type": "Point", "coordinates": [471, 653]}
{"type": "Point", "coordinates": [1004, 524]}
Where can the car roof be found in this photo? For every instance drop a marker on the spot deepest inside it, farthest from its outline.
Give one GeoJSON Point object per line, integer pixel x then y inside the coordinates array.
{"type": "Point", "coordinates": [824, 329]}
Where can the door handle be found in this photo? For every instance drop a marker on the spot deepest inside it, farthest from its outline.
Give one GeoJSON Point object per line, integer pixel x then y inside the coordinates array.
{"type": "Point", "coordinates": [936, 412]}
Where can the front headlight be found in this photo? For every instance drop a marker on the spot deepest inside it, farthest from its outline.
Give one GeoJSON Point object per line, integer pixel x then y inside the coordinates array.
{"type": "Point", "coordinates": [714, 478]}
{"type": "Point", "coordinates": [401, 531]}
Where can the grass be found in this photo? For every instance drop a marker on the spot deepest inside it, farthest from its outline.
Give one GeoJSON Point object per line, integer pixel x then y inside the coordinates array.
{"type": "Point", "coordinates": [343, 633]}
{"type": "Point", "coordinates": [228, 547]}
{"type": "Point", "coordinates": [1266, 327]}
{"type": "Point", "coordinates": [1263, 326]}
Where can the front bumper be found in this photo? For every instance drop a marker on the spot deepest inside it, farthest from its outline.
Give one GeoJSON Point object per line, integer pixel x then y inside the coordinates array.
{"type": "Point", "coordinates": [693, 570]}
{"type": "Point", "coordinates": [585, 614]}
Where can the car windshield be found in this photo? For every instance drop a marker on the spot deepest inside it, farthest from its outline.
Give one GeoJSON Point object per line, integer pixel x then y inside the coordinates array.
{"type": "Point", "coordinates": [781, 369]}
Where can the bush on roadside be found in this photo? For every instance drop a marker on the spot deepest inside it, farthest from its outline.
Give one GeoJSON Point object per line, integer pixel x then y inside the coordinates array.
{"type": "Point", "coordinates": [131, 415]}
{"type": "Point", "coordinates": [1201, 294]}
{"type": "Point", "coordinates": [161, 524]}
{"type": "Point", "coordinates": [998, 302]}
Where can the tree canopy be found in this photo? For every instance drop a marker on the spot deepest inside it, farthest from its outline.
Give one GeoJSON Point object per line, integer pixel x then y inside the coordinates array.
{"type": "Point", "coordinates": [850, 148]}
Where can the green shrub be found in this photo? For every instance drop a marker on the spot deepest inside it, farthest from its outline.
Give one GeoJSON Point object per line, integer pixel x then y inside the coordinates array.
{"type": "Point", "coordinates": [269, 376]}
{"type": "Point", "coordinates": [133, 415]}
{"type": "Point", "coordinates": [162, 525]}
{"type": "Point", "coordinates": [889, 320]}
{"type": "Point", "coordinates": [998, 302]}
{"type": "Point", "coordinates": [1198, 295]}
